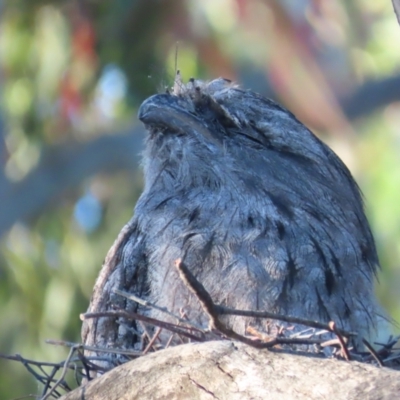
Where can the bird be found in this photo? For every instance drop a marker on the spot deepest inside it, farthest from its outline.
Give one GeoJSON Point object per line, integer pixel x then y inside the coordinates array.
{"type": "Point", "coordinates": [262, 212]}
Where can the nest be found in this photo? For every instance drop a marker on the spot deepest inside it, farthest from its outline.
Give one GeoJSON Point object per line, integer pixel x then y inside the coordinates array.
{"type": "Point", "coordinates": [53, 376]}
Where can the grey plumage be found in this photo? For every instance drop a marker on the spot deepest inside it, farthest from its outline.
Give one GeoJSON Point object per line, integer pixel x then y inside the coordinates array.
{"type": "Point", "coordinates": [264, 214]}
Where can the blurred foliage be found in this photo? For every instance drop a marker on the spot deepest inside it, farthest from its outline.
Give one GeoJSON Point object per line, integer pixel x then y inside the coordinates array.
{"type": "Point", "coordinates": [73, 70]}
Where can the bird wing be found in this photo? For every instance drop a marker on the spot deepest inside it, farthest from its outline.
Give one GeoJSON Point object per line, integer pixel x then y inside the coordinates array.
{"type": "Point", "coordinates": [124, 268]}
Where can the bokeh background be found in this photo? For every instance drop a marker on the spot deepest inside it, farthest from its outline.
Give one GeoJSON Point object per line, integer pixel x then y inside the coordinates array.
{"type": "Point", "coordinates": [72, 75]}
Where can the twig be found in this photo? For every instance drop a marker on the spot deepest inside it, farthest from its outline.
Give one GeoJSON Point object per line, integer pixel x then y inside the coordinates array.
{"type": "Point", "coordinates": [19, 358]}
{"type": "Point", "coordinates": [42, 379]}
{"type": "Point", "coordinates": [208, 306]}
{"type": "Point", "coordinates": [153, 339]}
{"type": "Point", "coordinates": [198, 289]}
{"type": "Point", "coordinates": [388, 347]}
{"type": "Point", "coordinates": [213, 311]}
{"type": "Point", "coordinates": [63, 373]}
{"type": "Point", "coordinates": [392, 358]}
{"type": "Point", "coordinates": [156, 307]}
{"type": "Point", "coordinates": [147, 335]}
{"type": "Point", "coordinates": [85, 366]}
{"type": "Point", "coordinates": [49, 380]}
{"type": "Point", "coordinates": [169, 341]}
{"type": "Point", "coordinates": [343, 344]}
{"type": "Point", "coordinates": [222, 310]}
{"type": "Point", "coordinates": [373, 353]}
{"type": "Point", "coordinates": [331, 342]}
{"type": "Point", "coordinates": [93, 348]}
{"type": "Point", "coordinates": [134, 316]}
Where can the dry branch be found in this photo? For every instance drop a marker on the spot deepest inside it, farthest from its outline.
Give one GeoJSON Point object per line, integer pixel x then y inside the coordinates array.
{"type": "Point", "coordinates": [134, 316]}
{"type": "Point", "coordinates": [87, 367]}
{"type": "Point", "coordinates": [213, 311]}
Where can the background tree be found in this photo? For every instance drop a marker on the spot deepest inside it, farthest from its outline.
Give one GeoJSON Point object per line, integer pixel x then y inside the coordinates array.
{"type": "Point", "coordinates": [72, 76]}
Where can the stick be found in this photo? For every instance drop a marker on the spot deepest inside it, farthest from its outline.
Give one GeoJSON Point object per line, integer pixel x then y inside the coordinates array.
{"type": "Point", "coordinates": [213, 311]}
{"type": "Point", "coordinates": [134, 316]}
{"type": "Point", "coordinates": [93, 348]}
{"type": "Point", "coordinates": [156, 307]}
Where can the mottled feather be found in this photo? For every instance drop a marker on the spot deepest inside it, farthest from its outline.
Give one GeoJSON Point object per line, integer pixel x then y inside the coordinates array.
{"type": "Point", "coordinates": [265, 215]}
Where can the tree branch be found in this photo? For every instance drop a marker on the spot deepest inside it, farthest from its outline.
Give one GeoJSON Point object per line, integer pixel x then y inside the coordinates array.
{"type": "Point", "coordinates": [65, 166]}
{"type": "Point", "coordinates": [371, 96]}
